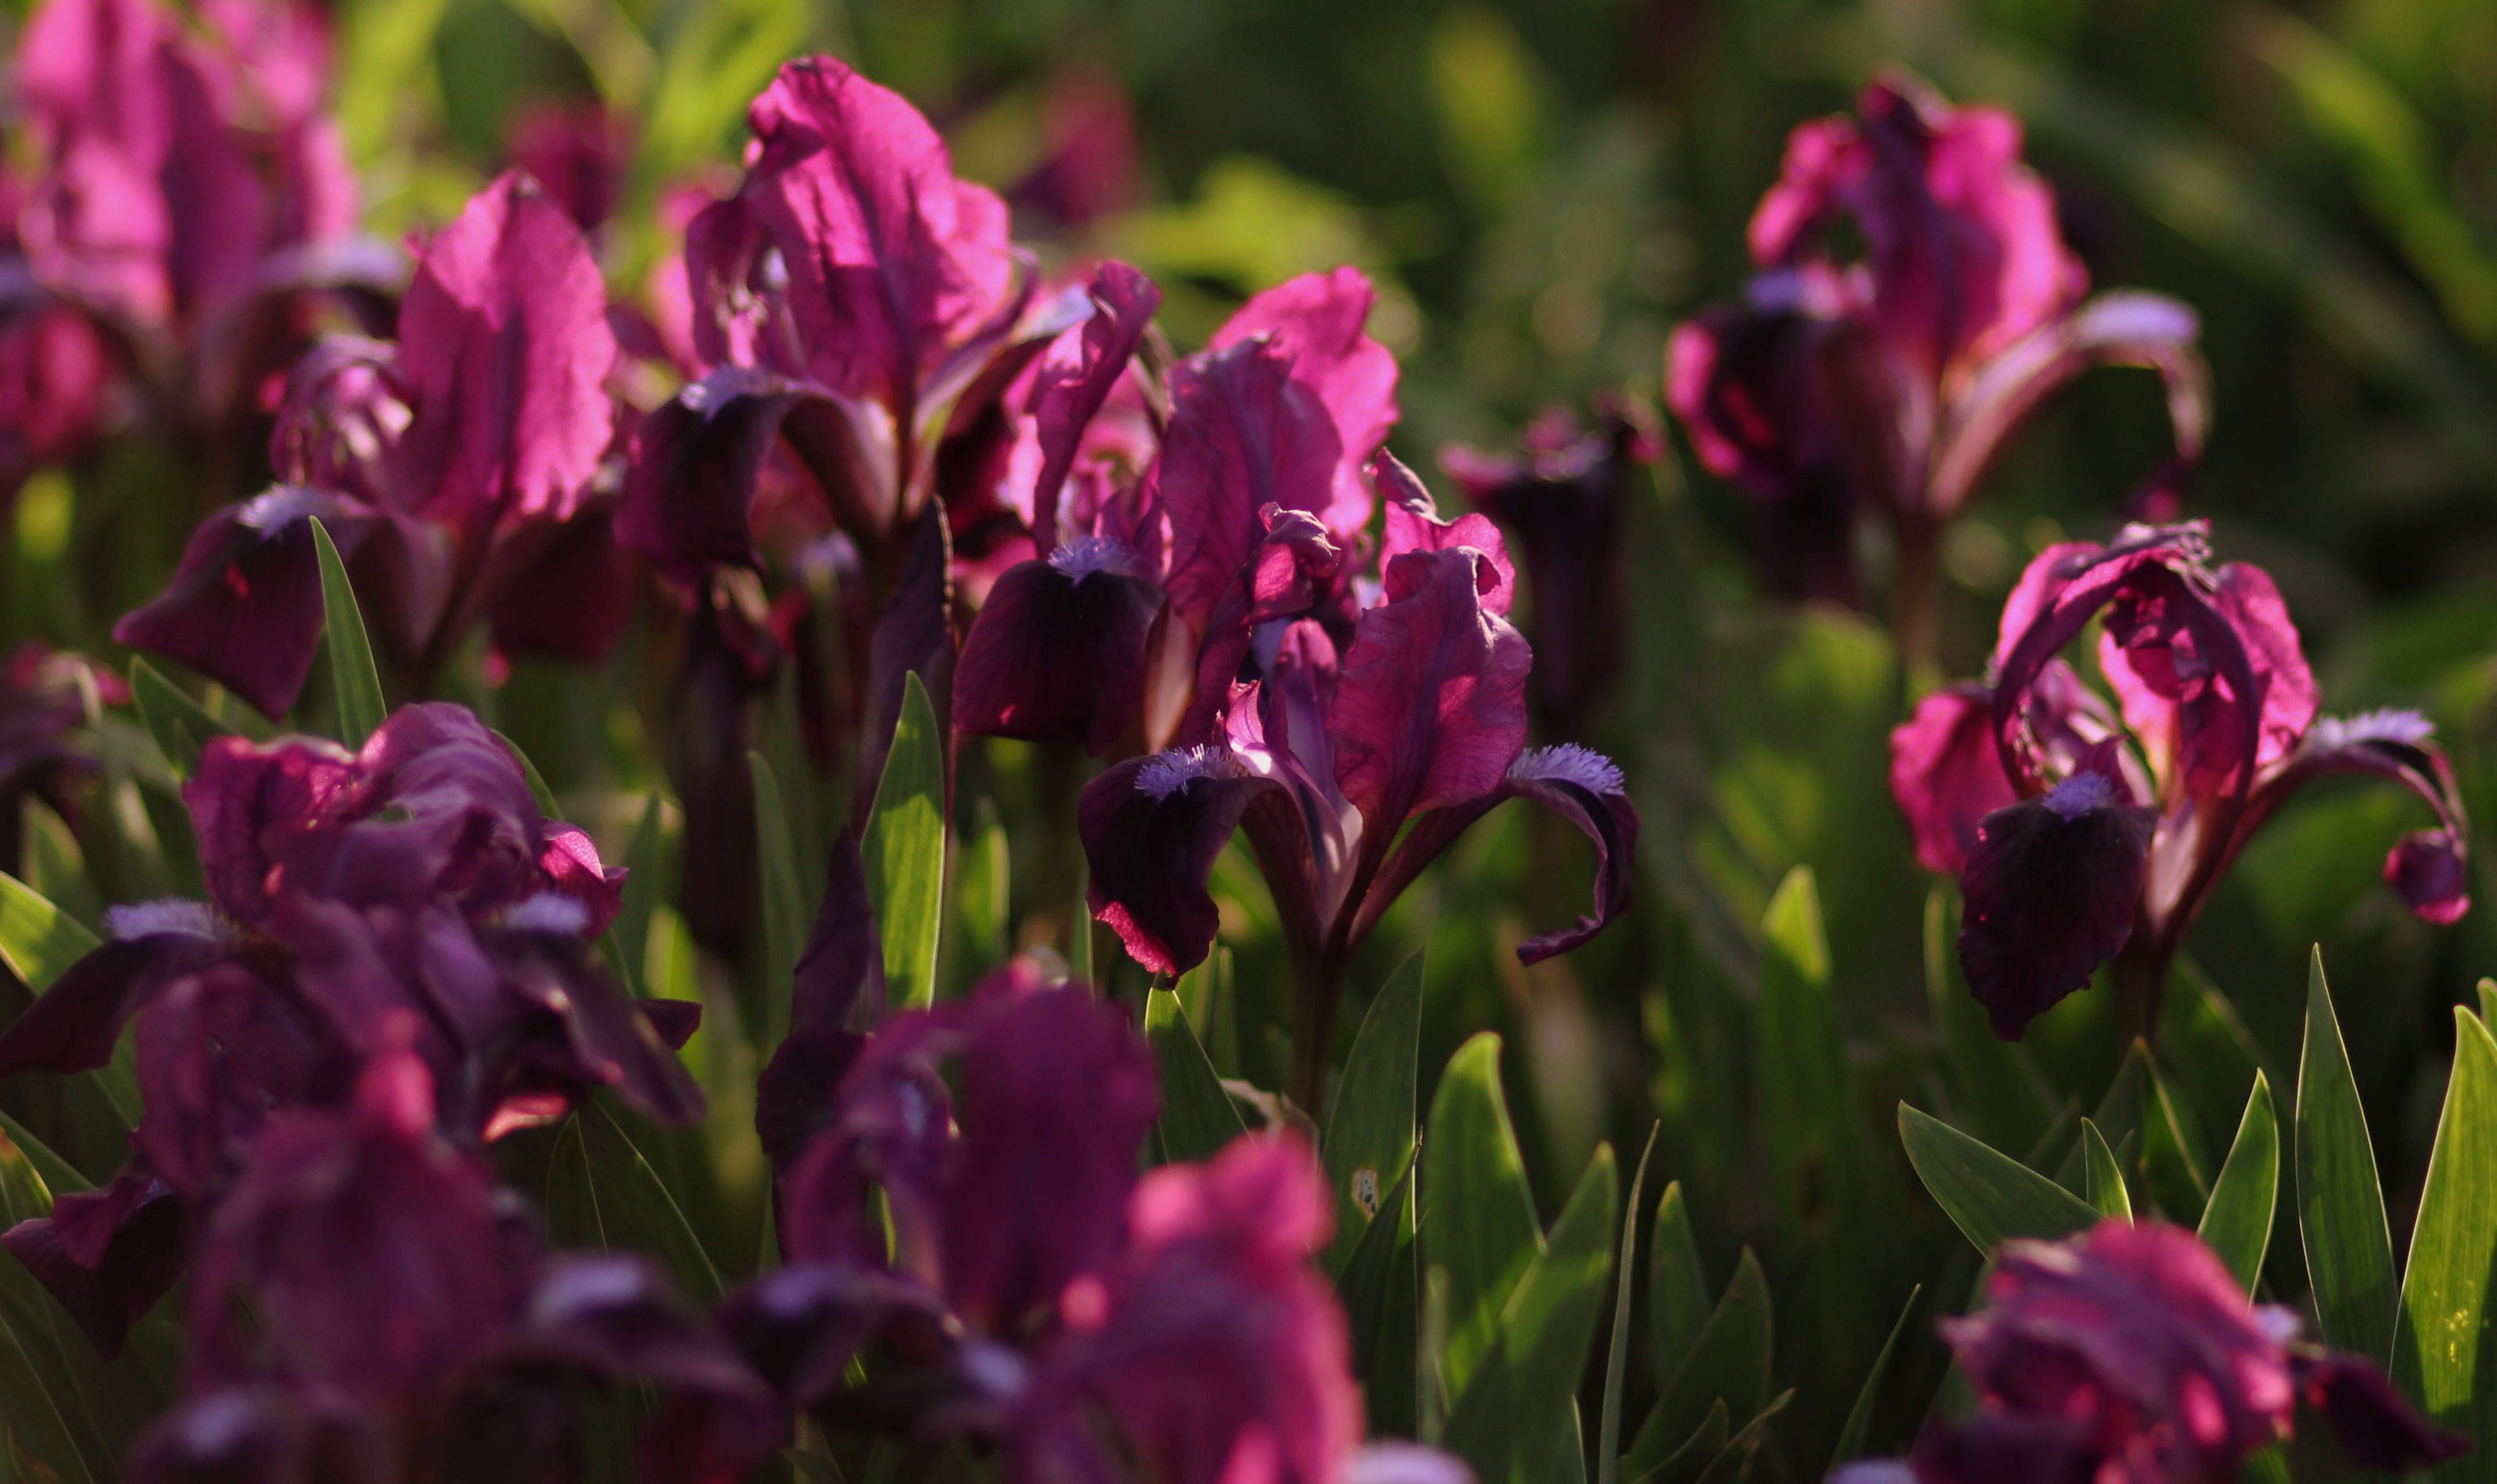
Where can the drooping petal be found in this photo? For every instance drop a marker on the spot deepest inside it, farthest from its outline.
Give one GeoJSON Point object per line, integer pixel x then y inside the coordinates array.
{"type": "Point", "coordinates": [695, 465]}
{"type": "Point", "coordinates": [1152, 828]}
{"type": "Point", "coordinates": [244, 606]}
{"type": "Point", "coordinates": [1995, 1448]}
{"type": "Point", "coordinates": [143, 1248]}
{"type": "Point", "coordinates": [1946, 775]}
{"type": "Point", "coordinates": [2121, 328]}
{"type": "Point", "coordinates": [891, 260]}
{"type": "Point", "coordinates": [1065, 400]}
{"type": "Point", "coordinates": [839, 991]}
{"type": "Point", "coordinates": [567, 590]}
{"type": "Point", "coordinates": [1318, 321]}
{"type": "Point", "coordinates": [2377, 1426]}
{"type": "Point", "coordinates": [73, 1025]}
{"type": "Point", "coordinates": [2052, 888]}
{"type": "Point", "coordinates": [1429, 707]}
{"type": "Point", "coordinates": [2428, 867]}
{"type": "Point", "coordinates": [1057, 1095]}
{"type": "Point", "coordinates": [1057, 651]}
{"type": "Point", "coordinates": [503, 335]}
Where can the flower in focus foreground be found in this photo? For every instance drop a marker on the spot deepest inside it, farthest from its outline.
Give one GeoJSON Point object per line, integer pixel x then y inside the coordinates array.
{"type": "Point", "coordinates": [1890, 386]}
{"type": "Point", "coordinates": [2131, 1354]}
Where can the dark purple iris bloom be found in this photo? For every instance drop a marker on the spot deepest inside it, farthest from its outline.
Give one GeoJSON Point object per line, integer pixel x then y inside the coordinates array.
{"type": "Point", "coordinates": [447, 464]}
{"type": "Point", "coordinates": [404, 1322]}
{"type": "Point", "coordinates": [1891, 385]}
{"type": "Point", "coordinates": [2079, 836]}
{"type": "Point", "coordinates": [859, 310]}
{"type": "Point", "coordinates": [1559, 497]}
{"type": "Point", "coordinates": [188, 193]}
{"type": "Point", "coordinates": [1332, 744]}
{"type": "Point", "coordinates": [2129, 1355]}
{"type": "Point", "coordinates": [409, 897]}
{"type": "Point", "coordinates": [1032, 1292]}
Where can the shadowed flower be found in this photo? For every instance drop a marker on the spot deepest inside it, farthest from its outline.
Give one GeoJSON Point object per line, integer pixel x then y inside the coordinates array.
{"type": "Point", "coordinates": [445, 464]}
{"type": "Point", "coordinates": [1891, 385]}
{"type": "Point", "coordinates": [2078, 837]}
{"type": "Point", "coordinates": [2130, 1354]}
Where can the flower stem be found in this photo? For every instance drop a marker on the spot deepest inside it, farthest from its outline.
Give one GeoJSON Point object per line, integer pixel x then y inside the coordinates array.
{"type": "Point", "coordinates": [1316, 987]}
{"type": "Point", "coordinates": [2140, 974]}
{"type": "Point", "coordinates": [1915, 598]}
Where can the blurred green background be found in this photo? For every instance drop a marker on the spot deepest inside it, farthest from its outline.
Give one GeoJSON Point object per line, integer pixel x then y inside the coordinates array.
{"type": "Point", "coordinates": [1541, 190]}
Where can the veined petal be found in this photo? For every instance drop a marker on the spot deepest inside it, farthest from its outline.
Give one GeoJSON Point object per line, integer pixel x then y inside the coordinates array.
{"type": "Point", "coordinates": [1414, 524]}
{"type": "Point", "coordinates": [1151, 828]}
{"type": "Point", "coordinates": [1318, 321]}
{"type": "Point", "coordinates": [1244, 434]}
{"type": "Point", "coordinates": [1057, 651]}
{"type": "Point", "coordinates": [1066, 398]}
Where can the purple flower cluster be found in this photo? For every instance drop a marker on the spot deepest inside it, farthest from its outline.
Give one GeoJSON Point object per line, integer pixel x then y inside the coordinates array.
{"type": "Point", "coordinates": [2129, 1355]}
{"type": "Point", "coordinates": [2081, 833]}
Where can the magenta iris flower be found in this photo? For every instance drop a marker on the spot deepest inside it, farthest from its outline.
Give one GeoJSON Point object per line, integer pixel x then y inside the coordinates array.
{"type": "Point", "coordinates": [2082, 832]}
{"type": "Point", "coordinates": [1889, 386]}
{"type": "Point", "coordinates": [449, 465]}
{"type": "Point", "coordinates": [408, 899]}
{"type": "Point", "coordinates": [2131, 1354]}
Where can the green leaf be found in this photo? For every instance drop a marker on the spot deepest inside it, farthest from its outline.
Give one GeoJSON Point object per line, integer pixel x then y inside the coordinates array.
{"type": "Point", "coordinates": [1367, 1288]}
{"type": "Point", "coordinates": [1807, 1103]}
{"type": "Point", "coordinates": [1997, 1086]}
{"type": "Point", "coordinates": [2108, 1194]}
{"type": "Point", "coordinates": [1369, 1129]}
{"type": "Point", "coordinates": [786, 914]}
{"type": "Point", "coordinates": [2118, 1116]}
{"type": "Point", "coordinates": [904, 850]}
{"type": "Point", "coordinates": [1991, 1196]}
{"type": "Point", "coordinates": [180, 725]}
{"type": "Point", "coordinates": [1197, 1115]}
{"type": "Point", "coordinates": [38, 940]}
{"type": "Point", "coordinates": [1608, 1450]}
{"type": "Point", "coordinates": [1478, 1219]}
{"type": "Point", "coordinates": [982, 884]}
{"type": "Point", "coordinates": [1735, 1462]}
{"type": "Point", "coordinates": [1677, 1289]}
{"type": "Point", "coordinates": [2438, 1346]}
{"type": "Point", "coordinates": [1860, 1417]}
{"type": "Point", "coordinates": [1685, 1464]}
{"type": "Point", "coordinates": [538, 790]}
{"type": "Point", "coordinates": [57, 1174]}
{"type": "Point", "coordinates": [646, 868]}
{"type": "Point", "coordinates": [1515, 1413]}
{"type": "Point", "coordinates": [2178, 1189]}
{"type": "Point", "coordinates": [2236, 1221]}
{"type": "Point", "coordinates": [2340, 1205]}
{"type": "Point", "coordinates": [1729, 1363]}
{"type": "Point", "coordinates": [353, 675]}
{"type": "Point", "coordinates": [602, 1192]}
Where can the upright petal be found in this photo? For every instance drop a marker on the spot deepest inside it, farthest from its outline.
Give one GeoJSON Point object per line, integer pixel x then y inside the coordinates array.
{"type": "Point", "coordinates": [1430, 709]}
{"type": "Point", "coordinates": [1414, 524]}
{"type": "Point", "coordinates": [891, 260]}
{"type": "Point", "coordinates": [504, 333]}
{"type": "Point", "coordinates": [1244, 434]}
{"type": "Point", "coordinates": [2052, 888]}
{"type": "Point", "coordinates": [1064, 398]}
{"type": "Point", "coordinates": [1317, 320]}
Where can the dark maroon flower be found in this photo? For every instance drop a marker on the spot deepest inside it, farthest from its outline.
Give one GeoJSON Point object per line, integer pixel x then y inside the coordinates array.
{"type": "Point", "coordinates": [42, 711]}
{"type": "Point", "coordinates": [2078, 838]}
{"type": "Point", "coordinates": [1559, 497]}
{"type": "Point", "coordinates": [1891, 385]}
{"type": "Point", "coordinates": [55, 368]}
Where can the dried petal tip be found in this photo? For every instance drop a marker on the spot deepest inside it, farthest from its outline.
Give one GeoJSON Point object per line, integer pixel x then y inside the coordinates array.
{"type": "Point", "coordinates": [1080, 557]}
{"type": "Point", "coordinates": [1568, 763]}
{"type": "Point", "coordinates": [1170, 773]}
{"type": "Point", "coordinates": [171, 914]}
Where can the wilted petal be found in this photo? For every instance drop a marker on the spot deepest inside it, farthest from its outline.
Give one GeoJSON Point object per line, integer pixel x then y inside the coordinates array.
{"type": "Point", "coordinates": [503, 335]}
{"type": "Point", "coordinates": [1058, 652]}
{"type": "Point", "coordinates": [244, 606]}
{"type": "Point", "coordinates": [2052, 888]}
{"type": "Point", "coordinates": [839, 991]}
{"type": "Point", "coordinates": [1430, 707]}
{"type": "Point", "coordinates": [1946, 775]}
{"type": "Point", "coordinates": [891, 260]}
{"type": "Point", "coordinates": [1319, 322]}
{"type": "Point", "coordinates": [1057, 1095]}
{"type": "Point", "coordinates": [2121, 328]}
{"type": "Point", "coordinates": [1065, 400]}
{"type": "Point", "coordinates": [72, 1026]}
{"type": "Point", "coordinates": [1152, 828]}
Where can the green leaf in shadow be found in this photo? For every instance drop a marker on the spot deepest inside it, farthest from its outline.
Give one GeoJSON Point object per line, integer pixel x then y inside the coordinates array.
{"type": "Point", "coordinates": [1991, 1196]}
{"type": "Point", "coordinates": [1518, 1409]}
{"type": "Point", "coordinates": [1678, 1303]}
{"type": "Point", "coordinates": [1860, 1417]}
{"type": "Point", "coordinates": [785, 912]}
{"type": "Point", "coordinates": [180, 725]}
{"type": "Point", "coordinates": [1608, 1431]}
{"type": "Point", "coordinates": [2108, 1194]}
{"type": "Point", "coordinates": [1728, 1363]}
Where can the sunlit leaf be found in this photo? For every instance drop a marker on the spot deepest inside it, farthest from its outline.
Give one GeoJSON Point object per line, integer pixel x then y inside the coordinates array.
{"type": "Point", "coordinates": [1370, 1124]}
{"type": "Point", "coordinates": [2236, 1223]}
{"type": "Point", "coordinates": [353, 679]}
{"type": "Point", "coordinates": [2107, 1191]}
{"type": "Point", "coordinates": [2340, 1206]}
{"type": "Point", "coordinates": [2443, 1357]}
{"type": "Point", "coordinates": [1478, 1221]}
{"type": "Point", "coordinates": [904, 851]}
